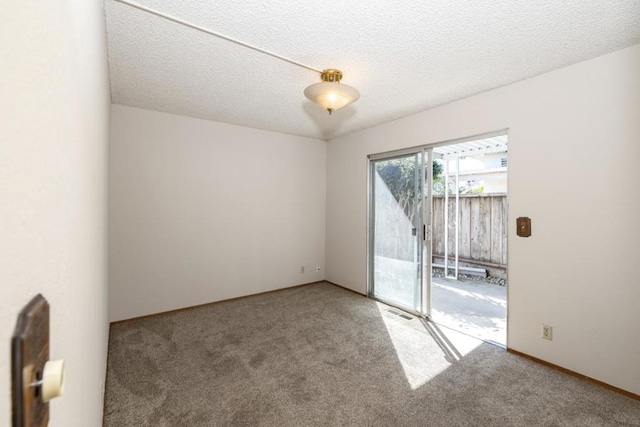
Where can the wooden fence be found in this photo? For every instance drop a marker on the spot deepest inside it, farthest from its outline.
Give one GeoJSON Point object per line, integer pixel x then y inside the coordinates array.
{"type": "Point", "coordinates": [483, 227]}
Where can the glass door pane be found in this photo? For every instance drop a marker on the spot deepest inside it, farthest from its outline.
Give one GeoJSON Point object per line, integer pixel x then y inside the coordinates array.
{"type": "Point", "coordinates": [396, 230]}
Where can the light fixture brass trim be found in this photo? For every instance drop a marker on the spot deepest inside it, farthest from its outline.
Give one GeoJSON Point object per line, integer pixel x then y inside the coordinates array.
{"type": "Point", "coordinates": [331, 75]}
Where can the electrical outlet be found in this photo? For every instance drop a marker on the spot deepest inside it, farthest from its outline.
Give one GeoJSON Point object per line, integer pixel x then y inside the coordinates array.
{"type": "Point", "coordinates": [547, 332]}
{"type": "Point", "coordinates": [317, 268]}
{"type": "Point", "coordinates": [302, 269]}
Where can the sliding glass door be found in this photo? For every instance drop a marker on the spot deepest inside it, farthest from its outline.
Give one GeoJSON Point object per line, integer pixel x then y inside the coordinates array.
{"type": "Point", "coordinates": [406, 234]}
{"type": "Point", "coordinates": [395, 261]}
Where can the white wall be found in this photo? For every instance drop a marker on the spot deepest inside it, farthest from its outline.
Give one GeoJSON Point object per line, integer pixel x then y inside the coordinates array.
{"type": "Point", "coordinates": [574, 145]}
{"type": "Point", "coordinates": [54, 115]}
{"type": "Point", "coordinates": [203, 211]}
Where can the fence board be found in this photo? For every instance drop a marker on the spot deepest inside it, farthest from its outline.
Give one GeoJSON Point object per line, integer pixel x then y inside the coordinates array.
{"type": "Point", "coordinates": [484, 232]}
{"type": "Point", "coordinates": [483, 227]}
{"type": "Point", "coordinates": [465, 227]}
{"type": "Point", "coordinates": [452, 227]}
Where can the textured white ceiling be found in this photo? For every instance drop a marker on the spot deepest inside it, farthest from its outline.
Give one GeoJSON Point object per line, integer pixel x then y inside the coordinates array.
{"type": "Point", "coordinates": [403, 56]}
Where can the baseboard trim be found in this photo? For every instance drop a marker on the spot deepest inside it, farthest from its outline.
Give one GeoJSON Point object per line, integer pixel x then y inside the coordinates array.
{"type": "Point", "coordinates": [346, 289]}
{"type": "Point", "coordinates": [575, 374]}
{"type": "Point", "coordinates": [146, 316]}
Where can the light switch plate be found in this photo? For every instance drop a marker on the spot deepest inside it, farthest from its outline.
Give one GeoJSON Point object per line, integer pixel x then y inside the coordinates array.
{"type": "Point", "coordinates": [523, 225]}
{"type": "Point", "coordinates": [29, 353]}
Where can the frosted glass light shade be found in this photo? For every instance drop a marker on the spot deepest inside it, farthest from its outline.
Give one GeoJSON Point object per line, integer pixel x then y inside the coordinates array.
{"type": "Point", "coordinates": [331, 96]}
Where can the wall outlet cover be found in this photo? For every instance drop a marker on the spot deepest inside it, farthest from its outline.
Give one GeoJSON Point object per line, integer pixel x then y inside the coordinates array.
{"type": "Point", "coordinates": [547, 332]}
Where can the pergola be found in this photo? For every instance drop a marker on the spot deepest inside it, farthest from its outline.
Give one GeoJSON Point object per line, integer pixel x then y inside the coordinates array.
{"type": "Point", "coordinates": [491, 145]}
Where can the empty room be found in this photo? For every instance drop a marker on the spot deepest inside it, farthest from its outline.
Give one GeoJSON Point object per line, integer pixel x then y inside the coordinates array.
{"type": "Point", "coordinates": [331, 214]}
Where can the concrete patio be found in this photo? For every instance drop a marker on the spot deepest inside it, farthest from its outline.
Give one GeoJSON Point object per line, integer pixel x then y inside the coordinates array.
{"type": "Point", "coordinates": [469, 306]}
{"type": "Point", "coordinates": [472, 307]}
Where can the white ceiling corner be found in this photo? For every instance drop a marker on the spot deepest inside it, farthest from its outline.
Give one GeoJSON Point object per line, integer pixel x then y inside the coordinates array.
{"type": "Point", "coordinates": [403, 57]}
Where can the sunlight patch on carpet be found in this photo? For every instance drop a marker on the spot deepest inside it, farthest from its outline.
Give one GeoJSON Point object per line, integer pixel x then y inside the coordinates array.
{"type": "Point", "coordinates": [415, 346]}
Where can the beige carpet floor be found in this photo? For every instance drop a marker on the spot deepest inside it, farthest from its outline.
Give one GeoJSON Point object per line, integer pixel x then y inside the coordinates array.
{"type": "Point", "coordinates": [319, 355]}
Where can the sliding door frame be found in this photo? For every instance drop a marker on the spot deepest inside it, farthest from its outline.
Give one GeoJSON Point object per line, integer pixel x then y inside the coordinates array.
{"type": "Point", "coordinates": [427, 228]}
{"type": "Point", "coordinates": [426, 215]}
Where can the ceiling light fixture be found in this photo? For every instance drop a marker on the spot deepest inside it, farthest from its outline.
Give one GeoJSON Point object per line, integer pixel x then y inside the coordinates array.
{"type": "Point", "coordinates": [330, 94]}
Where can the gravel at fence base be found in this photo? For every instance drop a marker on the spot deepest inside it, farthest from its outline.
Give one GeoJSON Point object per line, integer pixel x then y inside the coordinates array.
{"type": "Point", "coordinates": [439, 272]}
